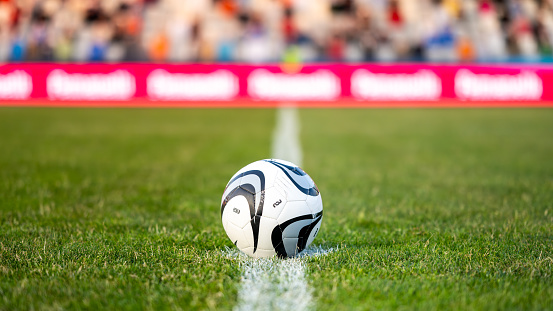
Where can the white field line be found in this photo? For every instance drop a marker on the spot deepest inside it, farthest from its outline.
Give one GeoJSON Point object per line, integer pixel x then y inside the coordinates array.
{"type": "Point", "coordinates": [272, 283]}
{"type": "Point", "coordinates": [286, 137]}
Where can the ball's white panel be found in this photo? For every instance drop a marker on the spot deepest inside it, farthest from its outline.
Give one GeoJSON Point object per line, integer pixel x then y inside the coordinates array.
{"type": "Point", "coordinates": [293, 230]}
{"type": "Point", "coordinates": [295, 172]}
{"type": "Point", "coordinates": [266, 227]}
{"type": "Point", "coordinates": [237, 211]}
{"type": "Point", "coordinates": [269, 171]}
{"type": "Point", "coordinates": [279, 190]}
{"type": "Point", "coordinates": [290, 244]}
{"type": "Point", "coordinates": [248, 232]}
{"type": "Point", "coordinates": [314, 233]}
{"type": "Point", "coordinates": [292, 210]}
{"type": "Point", "coordinates": [236, 235]}
{"type": "Point", "coordinates": [315, 203]}
{"type": "Point", "coordinates": [254, 180]}
{"type": "Point", "coordinates": [292, 192]}
{"type": "Point", "coordinates": [274, 203]}
{"type": "Point", "coordinates": [225, 225]}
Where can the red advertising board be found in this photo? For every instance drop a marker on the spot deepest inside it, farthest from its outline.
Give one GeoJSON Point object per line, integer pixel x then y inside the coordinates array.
{"type": "Point", "coordinates": [249, 85]}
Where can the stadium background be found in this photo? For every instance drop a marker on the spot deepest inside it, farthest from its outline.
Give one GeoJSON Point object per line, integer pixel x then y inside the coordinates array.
{"type": "Point", "coordinates": [246, 51]}
{"type": "Point", "coordinates": [269, 31]}
{"type": "Point", "coordinates": [432, 209]}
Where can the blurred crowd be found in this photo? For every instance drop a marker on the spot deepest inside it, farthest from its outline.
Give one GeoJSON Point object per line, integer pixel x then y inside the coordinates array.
{"type": "Point", "coordinates": [255, 31]}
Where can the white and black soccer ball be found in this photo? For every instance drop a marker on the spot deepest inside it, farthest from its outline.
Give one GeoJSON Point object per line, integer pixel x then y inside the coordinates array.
{"type": "Point", "coordinates": [271, 207]}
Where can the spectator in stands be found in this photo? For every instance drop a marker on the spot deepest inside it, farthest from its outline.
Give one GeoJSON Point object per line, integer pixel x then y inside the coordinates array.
{"type": "Point", "coordinates": [270, 30]}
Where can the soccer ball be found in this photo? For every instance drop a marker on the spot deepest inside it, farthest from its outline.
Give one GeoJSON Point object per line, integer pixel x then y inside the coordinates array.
{"type": "Point", "coordinates": [271, 207]}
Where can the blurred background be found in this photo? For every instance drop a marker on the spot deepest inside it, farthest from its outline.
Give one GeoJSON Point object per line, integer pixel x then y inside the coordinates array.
{"type": "Point", "coordinates": [256, 31]}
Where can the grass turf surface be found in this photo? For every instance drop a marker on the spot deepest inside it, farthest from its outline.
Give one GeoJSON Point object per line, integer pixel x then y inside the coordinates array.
{"type": "Point", "coordinates": [431, 209]}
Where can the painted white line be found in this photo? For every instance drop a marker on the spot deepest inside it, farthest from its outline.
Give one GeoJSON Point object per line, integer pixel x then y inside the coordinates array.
{"type": "Point", "coordinates": [286, 137]}
{"type": "Point", "coordinates": [274, 283]}
{"type": "Point", "coordinates": [269, 284]}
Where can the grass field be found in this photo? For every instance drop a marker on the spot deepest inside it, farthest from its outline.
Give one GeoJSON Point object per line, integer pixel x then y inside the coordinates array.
{"type": "Point", "coordinates": [430, 209]}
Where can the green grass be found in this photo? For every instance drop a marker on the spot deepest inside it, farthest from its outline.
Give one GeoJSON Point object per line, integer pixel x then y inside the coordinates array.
{"type": "Point", "coordinates": [120, 209]}
{"type": "Point", "coordinates": [436, 209]}
{"type": "Point", "coordinates": [431, 209]}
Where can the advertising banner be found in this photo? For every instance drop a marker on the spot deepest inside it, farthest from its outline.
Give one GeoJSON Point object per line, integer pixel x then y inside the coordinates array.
{"type": "Point", "coordinates": [250, 85]}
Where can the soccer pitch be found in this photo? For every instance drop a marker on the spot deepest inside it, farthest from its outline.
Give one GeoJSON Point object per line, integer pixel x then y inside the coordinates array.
{"type": "Point", "coordinates": [428, 209]}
